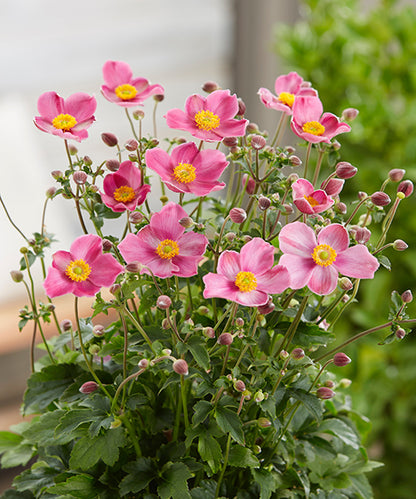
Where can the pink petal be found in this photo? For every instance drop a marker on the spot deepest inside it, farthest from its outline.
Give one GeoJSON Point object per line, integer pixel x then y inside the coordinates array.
{"type": "Point", "coordinates": [297, 238]}
{"type": "Point", "coordinates": [203, 188]}
{"type": "Point", "coordinates": [357, 262]}
{"type": "Point", "coordinates": [254, 298]}
{"type": "Point", "coordinates": [57, 284]}
{"type": "Point", "coordinates": [149, 91]}
{"type": "Point", "coordinates": [333, 126]}
{"type": "Point", "coordinates": [160, 162]}
{"type": "Point", "coordinates": [272, 102]}
{"type": "Point", "coordinates": [184, 153]}
{"type": "Point", "coordinates": [192, 244]}
{"type": "Point", "coordinates": [323, 280]}
{"type": "Point", "coordinates": [163, 268]}
{"type": "Point", "coordinates": [219, 286]}
{"type": "Point", "coordinates": [176, 118]}
{"type": "Point", "coordinates": [303, 206]}
{"type": "Point", "coordinates": [80, 105]}
{"type": "Point", "coordinates": [61, 260]}
{"type": "Point", "coordinates": [116, 73]}
{"type": "Point", "coordinates": [257, 256]}
{"type": "Point", "coordinates": [314, 139]}
{"type": "Point", "coordinates": [275, 281]}
{"type": "Point", "coordinates": [336, 236]}
{"type": "Point", "coordinates": [85, 288]}
{"type": "Point", "coordinates": [299, 268]}
{"type": "Point", "coordinates": [224, 105]}
{"type": "Point", "coordinates": [229, 264]}
{"type": "Point", "coordinates": [50, 105]}
{"type": "Point", "coordinates": [105, 270]}
{"type": "Point", "coordinates": [130, 174]}
{"type": "Point", "coordinates": [87, 248]}
{"type": "Point", "coordinates": [288, 83]}
{"type": "Point", "coordinates": [334, 186]}
{"type": "Point", "coordinates": [194, 104]}
{"type": "Point", "coordinates": [187, 265]}
{"type": "Point", "coordinates": [306, 108]}
{"type": "Point", "coordinates": [165, 224]}
{"type": "Point", "coordinates": [231, 128]}
{"type": "Point", "coordinates": [140, 247]}
{"type": "Point", "coordinates": [301, 188]}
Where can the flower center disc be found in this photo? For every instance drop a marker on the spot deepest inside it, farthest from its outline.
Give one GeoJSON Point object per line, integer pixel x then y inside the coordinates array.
{"type": "Point", "coordinates": [324, 255]}
{"type": "Point", "coordinates": [246, 281]}
{"type": "Point", "coordinates": [207, 120]}
{"type": "Point", "coordinates": [313, 127]}
{"type": "Point", "coordinates": [124, 194]}
{"type": "Point", "coordinates": [64, 122]}
{"type": "Point", "coordinates": [126, 91]}
{"type": "Point", "coordinates": [78, 270]}
{"type": "Point", "coordinates": [311, 200]}
{"type": "Point", "coordinates": [184, 173]}
{"type": "Point", "coordinates": [286, 98]}
{"type": "Point", "coordinates": [167, 249]}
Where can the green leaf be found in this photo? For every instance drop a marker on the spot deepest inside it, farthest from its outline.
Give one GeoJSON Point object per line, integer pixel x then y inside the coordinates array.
{"type": "Point", "coordinates": [14, 494]}
{"type": "Point", "coordinates": [80, 486]}
{"type": "Point", "coordinates": [384, 261]}
{"type": "Point", "coordinates": [71, 420]}
{"type": "Point", "coordinates": [140, 474]}
{"type": "Point", "coordinates": [242, 457]}
{"type": "Point", "coordinates": [201, 411]}
{"type": "Point", "coordinates": [41, 429]}
{"type": "Point", "coordinates": [206, 490]}
{"type": "Point", "coordinates": [340, 430]}
{"type": "Point", "coordinates": [361, 485]}
{"type": "Point", "coordinates": [229, 422]}
{"type": "Point", "coordinates": [197, 346]}
{"type": "Point", "coordinates": [210, 451]}
{"type": "Point", "coordinates": [175, 486]}
{"type": "Point", "coordinates": [15, 451]}
{"type": "Point", "coordinates": [39, 477]}
{"type": "Point", "coordinates": [268, 482]}
{"type": "Point", "coordinates": [310, 401]}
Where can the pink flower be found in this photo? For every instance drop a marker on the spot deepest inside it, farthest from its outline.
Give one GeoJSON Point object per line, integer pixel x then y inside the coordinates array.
{"type": "Point", "coordinates": [308, 200]}
{"type": "Point", "coordinates": [247, 277]}
{"type": "Point", "coordinates": [211, 118]}
{"type": "Point", "coordinates": [163, 246]}
{"type": "Point", "coordinates": [82, 270]}
{"type": "Point", "coordinates": [310, 124]}
{"type": "Point", "coordinates": [187, 169]}
{"type": "Point", "coordinates": [121, 88]}
{"type": "Point", "coordinates": [66, 118]}
{"type": "Point", "coordinates": [123, 190]}
{"type": "Point", "coordinates": [316, 262]}
{"type": "Point", "coordinates": [287, 88]}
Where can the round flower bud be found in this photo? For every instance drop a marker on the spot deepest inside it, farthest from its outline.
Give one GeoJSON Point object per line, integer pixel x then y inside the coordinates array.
{"type": "Point", "coordinates": [345, 284]}
{"type": "Point", "coordinates": [400, 245]}
{"type": "Point", "coordinates": [264, 203]}
{"type": "Point", "coordinates": [72, 150]}
{"type": "Point", "coordinates": [288, 209]}
{"type": "Point", "coordinates": [283, 354]}
{"type": "Point", "coordinates": [230, 141]}
{"type": "Point", "coordinates": [336, 145]}
{"type": "Point", "coordinates": [109, 139]}
{"type": "Point", "coordinates": [80, 177]}
{"type": "Point", "coordinates": [208, 332]}
{"type": "Point", "coordinates": [112, 164]}
{"type": "Point", "coordinates": [340, 208]}
{"type": "Point", "coordinates": [135, 217]}
{"type": "Point", "coordinates": [133, 157]}
{"type": "Point", "coordinates": [210, 86]}
{"type": "Point", "coordinates": [238, 215]}
{"type": "Point", "coordinates": [230, 236]}
{"type": "Point", "coordinates": [203, 310]}
{"type": "Point", "coordinates": [252, 128]}
{"type": "Point", "coordinates": [16, 275]}
{"type": "Point", "coordinates": [407, 296]}
{"type": "Point", "coordinates": [344, 383]}
{"type": "Point", "coordinates": [166, 351]}
{"type": "Point", "coordinates": [334, 186]}
{"type": "Point", "coordinates": [349, 114]}
{"type": "Point", "coordinates": [329, 383]}
{"type": "Point", "coordinates": [345, 170]}
{"type": "Point", "coordinates": [257, 142]}
{"type": "Point", "coordinates": [186, 222]}
{"type": "Point", "coordinates": [89, 387]}
{"type": "Point", "coordinates": [364, 220]}
{"type": "Point", "coordinates": [87, 161]}
{"type": "Point", "coordinates": [134, 267]}
{"type": "Point", "coordinates": [66, 325]}
{"type": "Point", "coordinates": [400, 333]}
{"type": "Point", "coordinates": [131, 145]}
{"type": "Point", "coordinates": [259, 396]}
{"type": "Point", "coordinates": [115, 289]}
{"type": "Point", "coordinates": [362, 235]}
{"type": "Point", "coordinates": [264, 422]}
{"type": "Point", "coordinates": [239, 385]}
{"type": "Point", "coordinates": [107, 245]}
{"type": "Point", "coordinates": [249, 184]}
{"type": "Point", "coordinates": [297, 353]}
{"type": "Point", "coordinates": [94, 349]}
{"type": "Point", "coordinates": [396, 174]}
{"type": "Point", "coordinates": [324, 393]}
{"type": "Point", "coordinates": [143, 364]}
{"type": "Point", "coordinates": [165, 324]}
{"type": "Point", "coordinates": [159, 97]}
{"type": "Point", "coordinates": [116, 423]}
{"type": "Point", "coordinates": [341, 360]}
{"type": "Point", "coordinates": [246, 238]}
{"type": "Point", "coordinates": [267, 308]}
{"type": "Point", "coordinates": [138, 114]}
{"type": "Point", "coordinates": [50, 192]}
{"type": "Point", "coordinates": [98, 330]}
{"type": "Point", "coordinates": [292, 178]}
{"type": "Point", "coordinates": [406, 187]}
{"type": "Point", "coordinates": [241, 107]}
{"type": "Point", "coordinates": [294, 160]}
{"type": "Point", "coordinates": [380, 198]}
{"type": "Point", "coordinates": [225, 339]}
{"type": "Point", "coordinates": [239, 322]}
{"type": "Point", "coordinates": [57, 174]}
{"type": "Point", "coordinates": [362, 195]}
{"type": "Point", "coordinates": [163, 302]}
{"type": "Point", "coordinates": [180, 366]}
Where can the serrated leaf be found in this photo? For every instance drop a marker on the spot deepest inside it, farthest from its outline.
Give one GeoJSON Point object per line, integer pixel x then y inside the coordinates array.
{"type": "Point", "coordinates": [80, 486]}
{"type": "Point", "coordinates": [201, 412]}
{"type": "Point", "coordinates": [175, 478]}
{"type": "Point", "coordinates": [242, 457]}
{"type": "Point", "coordinates": [268, 482]}
{"type": "Point", "coordinates": [361, 485]}
{"type": "Point", "coordinates": [340, 430]}
{"type": "Point", "coordinates": [41, 429]}
{"type": "Point", "coordinates": [140, 474]}
{"type": "Point", "coordinates": [310, 401]}
{"type": "Point", "coordinates": [197, 346]}
{"type": "Point", "coordinates": [210, 451]}
{"type": "Point", "coordinates": [14, 494]}
{"type": "Point", "coordinates": [38, 477]}
{"type": "Point", "coordinates": [229, 422]}
{"type": "Point", "coordinates": [206, 490]}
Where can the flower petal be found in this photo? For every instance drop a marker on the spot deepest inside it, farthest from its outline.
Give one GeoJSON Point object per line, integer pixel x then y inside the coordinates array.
{"type": "Point", "coordinates": [219, 286]}
{"type": "Point", "coordinates": [50, 105]}
{"type": "Point", "coordinates": [165, 224]}
{"type": "Point", "coordinates": [299, 268]}
{"type": "Point", "coordinates": [257, 256]}
{"type": "Point", "coordinates": [297, 238]}
{"type": "Point", "coordinates": [116, 73]}
{"type": "Point", "coordinates": [229, 264]}
{"type": "Point", "coordinates": [57, 284]}
{"type": "Point", "coordinates": [275, 281]}
{"type": "Point", "coordinates": [223, 104]}
{"type": "Point", "coordinates": [336, 236]}
{"type": "Point", "coordinates": [105, 270]}
{"type": "Point", "coordinates": [323, 280]}
{"type": "Point", "coordinates": [357, 262]}
{"type": "Point", "coordinates": [88, 248]}
{"type": "Point", "coordinates": [80, 105]}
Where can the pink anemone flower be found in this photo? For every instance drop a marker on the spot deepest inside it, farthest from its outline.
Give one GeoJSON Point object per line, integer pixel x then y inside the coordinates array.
{"type": "Point", "coordinates": [247, 277]}
{"type": "Point", "coordinates": [187, 169]}
{"type": "Point", "coordinates": [121, 88]}
{"type": "Point", "coordinates": [316, 261]}
{"type": "Point", "coordinates": [67, 118]}
{"type": "Point", "coordinates": [310, 124]}
{"type": "Point", "coordinates": [211, 118]}
{"type": "Point", "coordinates": [287, 88]}
{"type": "Point", "coordinates": [164, 247]}
{"type": "Point", "coordinates": [123, 190]}
{"type": "Point", "coordinates": [308, 200]}
{"type": "Point", "coordinates": [83, 270]}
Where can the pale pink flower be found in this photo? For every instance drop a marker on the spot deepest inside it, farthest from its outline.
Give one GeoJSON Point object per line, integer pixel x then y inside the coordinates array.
{"type": "Point", "coordinates": [83, 270]}
{"type": "Point", "coordinates": [67, 118]}
{"type": "Point", "coordinates": [164, 247]}
{"type": "Point", "coordinates": [187, 169]}
{"type": "Point", "coordinates": [316, 261]}
{"type": "Point", "coordinates": [121, 88]}
{"type": "Point", "coordinates": [247, 277]}
{"type": "Point", "coordinates": [287, 88]}
{"type": "Point", "coordinates": [308, 200]}
{"type": "Point", "coordinates": [310, 124]}
{"type": "Point", "coordinates": [123, 190]}
{"type": "Point", "coordinates": [209, 118]}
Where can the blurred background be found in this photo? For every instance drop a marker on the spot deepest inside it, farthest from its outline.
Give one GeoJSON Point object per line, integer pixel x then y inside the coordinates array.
{"type": "Point", "coordinates": [356, 53]}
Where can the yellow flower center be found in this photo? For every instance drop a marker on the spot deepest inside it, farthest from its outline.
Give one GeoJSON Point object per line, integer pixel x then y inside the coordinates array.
{"type": "Point", "coordinates": [126, 91]}
{"type": "Point", "coordinates": [246, 281]}
{"type": "Point", "coordinates": [286, 98]}
{"type": "Point", "coordinates": [124, 194]}
{"type": "Point", "coordinates": [78, 270]}
{"type": "Point", "coordinates": [207, 120]}
{"type": "Point", "coordinates": [184, 173]}
{"type": "Point", "coordinates": [312, 201]}
{"type": "Point", "coordinates": [324, 255]}
{"type": "Point", "coordinates": [313, 127]}
{"type": "Point", "coordinates": [64, 122]}
{"type": "Point", "coordinates": [167, 249]}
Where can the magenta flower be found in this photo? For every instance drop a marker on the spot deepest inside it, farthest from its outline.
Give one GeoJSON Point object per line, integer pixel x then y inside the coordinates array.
{"type": "Point", "coordinates": [187, 169]}
{"type": "Point", "coordinates": [163, 247]}
{"type": "Point", "coordinates": [210, 118]}
{"type": "Point", "coordinates": [310, 124]}
{"type": "Point", "coordinates": [247, 277]}
{"type": "Point", "coordinates": [287, 87]}
{"type": "Point", "coordinates": [308, 200]}
{"type": "Point", "coordinates": [67, 118]}
{"type": "Point", "coordinates": [123, 190]}
{"type": "Point", "coordinates": [83, 270]}
{"type": "Point", "coordinates": [316, 262]}
{"type": "Point", "coordinates": [121, 88]}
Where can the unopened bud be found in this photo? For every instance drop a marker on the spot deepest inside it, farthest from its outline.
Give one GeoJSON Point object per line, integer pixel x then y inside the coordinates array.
{"type": "Point", "coordinates": [159, 97]}
{"type": "Point", "coordinates": [334, 186]}
{"type": "Point", "coordinates": [252, 128]}
{"type": "Point", "coordinates": [344, 383]}
{"type": "Point", "coordinates": [89, 387]}
{"type": "Point", "coordinates": [72, 150]}
{"type": "Point", "coordinates": [107, 245]}
{"type": "Point", "coordinates": [288, 209]}
{"type": "Point", "coordinates": [135, 217]}
{"type": "Point", "coordinates": [131, 145]}
{"type": "Point", "coordinates": [246, 238]}
{"type": "Point", "coordinates": [112, 164]}
{"type": "Point", "coordinates": [400, 333]}
{"type": "Point", "coordinates": [109, 139]}
{"type": "Point", "coordinates": [238, 215]}
{"type": "Point", "coordinates": [115, 424]}
{"type": "Point", "coordinates": [362, 235]}
{"type": "Point", "coordinates": [249, 184]}
{"type": "Point", "coordinates": [94, 349]}
{"type": "Point", "coordinates": [345, 170]}
{"type": "Point", "coordinates": [267, 308]}
{"type": "Point", "coordinates": [56, 174]}
{"type": "Point", "coordinates": [133, 157]}
{"type": "Point", "coordinates": [115, 289]}
{"type": "Point", "coordinates": [297, 353]}
{"type": "Point", "coordinates": [336, 146]}
{"type": "Point", "coordinates": [166, 352]}
{"type": "Point", "coordinates": [210, 86]}
{"type": "Point", "coordinates": [349, 114]}
{"type": "Point", "coordinates": [239, 385]}
{"type": "Point", "coordinates": [380, 198]}
{"type": "Point", "coordinates": [138, 114]}
{"type": "Point", "coordinates": [325, 393]}
{"type": "Point", "coordinates": [50, 192]}
{"type": "Point", "coordinates": [164, 199]}
{"type": "Point", "coordinates": [80, 177]}
{"type": "Point", "coordinates": [165, 324]}
{"type": "Point", "coordinates": [257, 142]}
{"type": "Point", "coordinates": [180, 366]}
{"type": "Point", "coordinates": [87, 161]}
{"type": "Point", "coordinates": [400, 245]}
{"type": "Point", "coordinates": [362, 195]}
{"type": "Point", "coordinates": [264, 422]}
{"type": "Point", "coordinates": [66, 325]}
{"type": "Point", "coordinates": [186, 222]}
{"type": "Point", "coordinates": [230, 141]}
{"type": "Point", "coordinates": [406, 187]}
{"type": "Point", "coordinates": [98, 330]}
{"type": "Point", "coordinates": [345, 284]}
{"type": "Point", "coordinates": [230, 236]}
{"type": "Point", "coordinates": [134, 267]}
{"type": "Point", "coordinates": [239, 322]}
{"type": "Point", "coordinates": [16, 275]}
{"type": "Point", "coordinates": [283, 354]}
{"type": "Point", "coordinates": [341, 360]}
{"type": "Point", "coordinates": [225, 339]}
{"type": "Point", "coordinates": [292, 178]}
{"type": "Point", "coordinates": [163, 302]}
{"type": "Point", "coordinates": [294, 160]}
{"type": "Point", "coordinates": [143, 364]}
{"type": "Point", "coordinates": [259, 396]}
{"type": "Point", "coordinates": [264, 203]}
{"type": "Point", "coordinates": [364, 220]}
{"type": "Point", "coordinates": [203, 310]}
{"type": "Point", "coordinates": [329, 383]}
{"type": "Point", "coordinates": [208, 332]}
{"type": "Point", "coordinates": [396, 174]}
{"type": "Point", "coordinates": [407, 296]}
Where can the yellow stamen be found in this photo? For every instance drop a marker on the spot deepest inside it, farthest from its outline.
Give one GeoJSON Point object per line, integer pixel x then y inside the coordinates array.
{"type": "Point", "coordinates": [184, 173]}
{"type": "Point", "coordinates": [167, 249]}
{"type": "Point", "coordinates": [324, 255]}
{"type": "Point", "coordinates": [78, 270]}
{"type": "Point", "coordinates": [312, 201]}
{"type": "Point", "coordinates": [246, 281]}
{"type": "Point", "coordinates": [124, 194]}
{"type": "Point", "coordinates": [207, 120]}
{"type": "Point", "coordinates": [286, 98]}
{"type": "Point", "coordinates": [64, 122]}
{"type": "Point", "coordinates": [313, 127]}
{"type": "Point", "coordinates": [126, 91]}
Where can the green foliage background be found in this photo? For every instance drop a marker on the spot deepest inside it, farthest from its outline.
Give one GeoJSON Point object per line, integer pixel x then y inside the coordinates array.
{"type": "Point", "coordinates": [366, 59]}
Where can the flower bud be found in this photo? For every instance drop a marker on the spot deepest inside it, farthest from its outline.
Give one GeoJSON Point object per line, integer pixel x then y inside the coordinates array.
{"type": "Point", "coordinates": [134, 267]}
{"type": "Point", "coordinates": [180, 366]}
{"type": "Point", "coordinates": [246, 238]}
{"type": "Point", "coordinates": [112, 164]}
{"type": "Point", "coordinates": [50, 192]}
{"type": "Point", "coordinates": [293, 177]}
{"type": "Point", "coordinates": [362, 195]}
{"type": "Point", "coordinates": [109, 139]}
{"type": "Point", "coordinates": [257, 142]}
{"type": "Point", "coordinates": [400, 245]}
{"type": "Point", "coordinates": [345, 284]}
{"type": "Point", "coordinates": [341, 360]}
{"type": "Point", "coordinates": [89, 387]}
{"type": "Point", "coordinates": [186, 222]}
{"type": "Point", "coordinates": [98, 330]}
{"type": "Point", "coordinates": [362, 235]}
{"type": "Point", "coordinates": [344, 383]}
{"type": "Point", "coordinates": [239, 385]}
{"type": "Point", "coordinates": [166, 352]}
{"type": "Point", "coordinates": [259, 396]}
{"type": "Point", "coordinates": [283, 354]}
{"type": "Point", "coordinates": [336, 146]}
{"type": "Point", "coordinates": [396, 174]}
{"type": "Point", "coordinates": [239, 322]}
{"type": "Point", "coordinates": [345, 170]}
{"type": "Point", "coordinates": [57, 174]}
{"type": "Point", "coordinates": [131, 145]}
{"type": "Point", "coordinates": [135, 217]}
{"type": "Point", "coordinates": [364, 220]}
{"type": "Point", "coordinates": [115, 424]}
{"type": "Point", "coordinates": [334, 186]}
{"type": "Point", "coordinates": [252, 128]}
{"type": "Point", "coordinates": [329, 383]}
{"type": "Point", "coordinates": [225, 339]}
{"type": "Point", "coordinates": [294, 160]}
{"type": "Point", "coordinates": [165, 324]}
{"type": "Point", "coordinates": [249, 184]}
{"type": "Point", "coordinates": [380, 198]}
{"type": "Point", "coordinates": [230, 141]}
{"type": "Point", "coordinates": [288, 209]}
{"type": "Point", "coordinates": [406, 187]}
{"type": "Point", "coordinates": [208, 332]}
{"type": "Point", "coordinates": [324, 393]}
{"type": "Point", "coordinates": [163, 302]}
{"type": "Point", "coordinates": [80, 177]}
{"type": "Point", "coordinates": [241, 107]}
{"type": "Point", "coordinates": [138, 114]}
{"type": "Point", "coordinates": [66, 325]}
{"type": "Point", "coordinates": [407, 296]}
{"type": "Point", "coordinates": [16, 275]}
{"type": "Point", "coordinates": [267, 308]}
{"type": "Point", "coordinates": [210, 86]}
{"type": "Point", "coordinates": [72, 150]}
{"type": "Point", "coordinates": [400, 333]}
{"type": "Point", "coordinates": [87, 161]}
{"type": "Point", "coordinates": [264, 203]}
{"type": "Point", "coordinates": [203, 310]}
{"type": "Point", "coordinates": [230, 236]}
{"type": "Point", "coordinates": [143, 364]}
{"type": "Point", "coordinates": [238, 215]}
{"type": "Point", "coordinates": [264, 422]}
{"type": "Point", "coordinates": [107, 245]}
{"type": "Point", "coordinates": [115, 289]}
{"type": "Point", "coordinates": [297, 353]}
{"type": "Point", "coordinates": [159, 97]}
{"type": "Point", "coordinates": [94, 349]}
{"type": "Point", "coordinates": [133, 157]}
{"type": "Point", "coordinates": [349, 114]}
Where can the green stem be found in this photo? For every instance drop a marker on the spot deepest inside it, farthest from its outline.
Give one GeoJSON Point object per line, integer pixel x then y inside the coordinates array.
{"type": "Point", "coordinates": [131, 124]}
{"type": "Point", "coordinates": [227, 452]}
{"type": "Point", "coordinates": [184, 403]}
{"type": "Point", "coordinates": [308, 154]}
{"type": "Point", "coordinates": [11, 221]}
{"type": "Point", "coordinates": [290, 333]}
{"type": "Point", "coordinates": [139, 328]}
